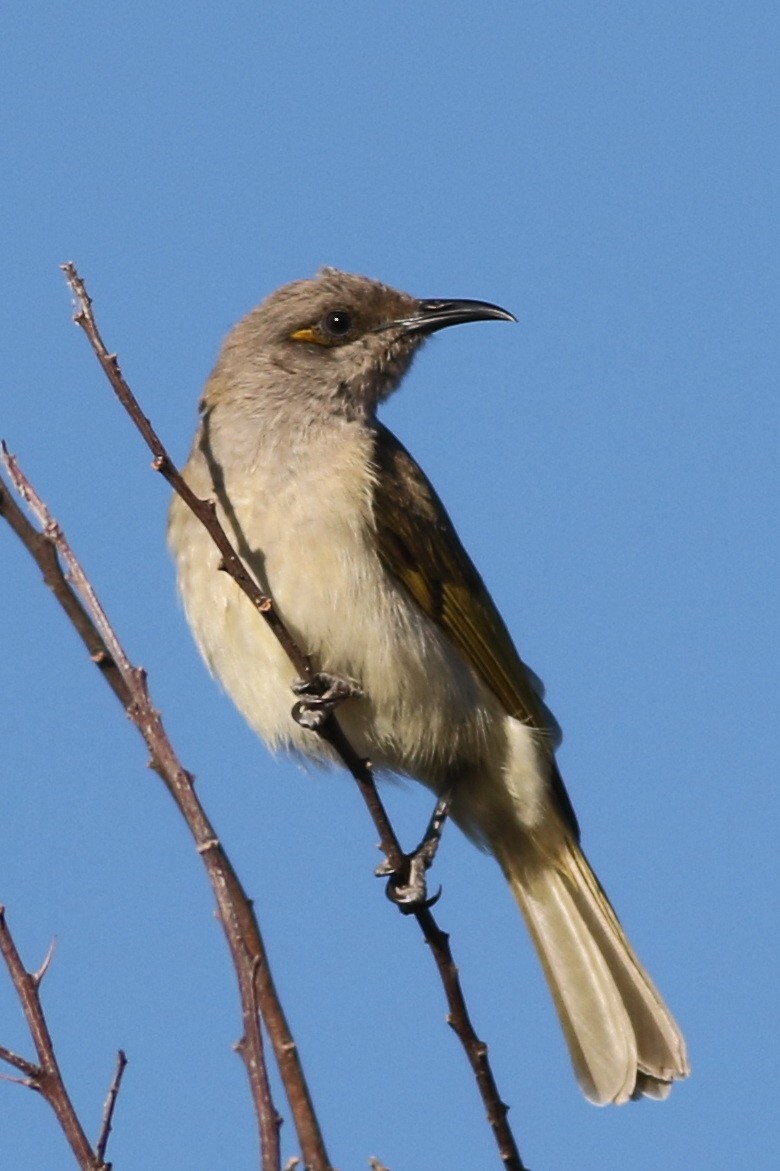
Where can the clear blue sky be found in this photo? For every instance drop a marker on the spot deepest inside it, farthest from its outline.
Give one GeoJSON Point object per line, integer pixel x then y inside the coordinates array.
{"type": "Point", "coordinates": [610, 173]}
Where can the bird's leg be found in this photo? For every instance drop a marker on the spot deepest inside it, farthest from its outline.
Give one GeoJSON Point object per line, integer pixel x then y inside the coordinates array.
{"type": "Point", "coordinates": [407, 886]}
{"type": "Point", "coordinates": [322, 695]}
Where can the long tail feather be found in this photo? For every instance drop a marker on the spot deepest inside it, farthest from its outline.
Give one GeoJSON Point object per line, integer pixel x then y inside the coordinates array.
{"type": "Point", "coordinates": [624, 1042]}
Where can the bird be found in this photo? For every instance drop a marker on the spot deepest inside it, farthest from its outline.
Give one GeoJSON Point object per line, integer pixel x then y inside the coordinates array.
{"type": "Point", "coordinates": [346, 534]}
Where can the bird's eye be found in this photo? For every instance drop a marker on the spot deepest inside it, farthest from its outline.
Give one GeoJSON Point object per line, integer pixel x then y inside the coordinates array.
{"type": "Point", "coordinates": [338, 323]}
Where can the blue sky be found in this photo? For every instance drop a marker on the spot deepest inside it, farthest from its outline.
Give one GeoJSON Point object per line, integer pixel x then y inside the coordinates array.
{"type": "Point", "coordinates": [607, 171]}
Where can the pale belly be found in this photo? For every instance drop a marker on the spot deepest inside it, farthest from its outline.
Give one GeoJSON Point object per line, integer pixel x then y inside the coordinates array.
{"type": "Point", "coordinates": [424, 712]}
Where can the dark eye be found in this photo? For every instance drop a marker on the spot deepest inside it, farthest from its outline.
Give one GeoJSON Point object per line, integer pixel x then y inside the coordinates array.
{"type": "Point", "coordinates": [338, 323]}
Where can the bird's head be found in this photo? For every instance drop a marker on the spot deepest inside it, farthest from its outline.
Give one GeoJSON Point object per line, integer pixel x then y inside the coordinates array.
{"type": "Point", "coordinates": [339, 337]}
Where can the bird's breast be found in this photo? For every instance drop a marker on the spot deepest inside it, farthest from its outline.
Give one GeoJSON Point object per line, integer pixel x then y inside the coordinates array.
{"type": "Point", "coordinates": [303, 522]}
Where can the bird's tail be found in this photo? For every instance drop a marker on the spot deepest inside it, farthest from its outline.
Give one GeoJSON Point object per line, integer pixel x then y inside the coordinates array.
{"type": "Point", "coordinates": [624, 1042]}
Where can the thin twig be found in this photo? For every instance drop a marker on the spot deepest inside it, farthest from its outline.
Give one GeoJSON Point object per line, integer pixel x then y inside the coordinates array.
{"type": "Point", "coordinates": [45, 1077]}
{"type": "Point", "coordinates": [477, 1052]}
{"type": "Point", "coordinates": [44, 553]}
{"type": "Point", "coordinates": [235, 909]}
{"type": "Point", "coordinates": [110, 1104]}
{"type": "Point", "coordinates": [331, 731]}
{"type": "Point", "coordinates": [20, 1063]}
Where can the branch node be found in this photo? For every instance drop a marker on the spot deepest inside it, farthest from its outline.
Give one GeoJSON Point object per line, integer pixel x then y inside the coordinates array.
{"type": "Point", "coordinates": [209, 844]}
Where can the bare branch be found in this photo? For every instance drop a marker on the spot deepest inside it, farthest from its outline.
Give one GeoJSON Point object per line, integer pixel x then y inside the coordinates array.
{"type": "Point", "coordinates": [162, 463]}
{"type": "Point", "coordinates": [43, 552]}
{"type": "Point", "coordinates": [235, 909]}
{"type": "Point", "coordinates": [45, 1077]}
{"type": "Point", "coordinates": [20, 1063]}
{"type": "Point", "coordinates": [476, 1050]}
{"type": "Point", "coordinates": [110, 1104]}
{"type": "Point", "coordinates": [331, 731]}
{"type": "Point", "coordinates": [231, 562]}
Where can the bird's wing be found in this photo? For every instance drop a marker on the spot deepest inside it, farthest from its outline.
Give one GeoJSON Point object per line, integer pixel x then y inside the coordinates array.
{"type": "Point", "coordinates": [418, 544]}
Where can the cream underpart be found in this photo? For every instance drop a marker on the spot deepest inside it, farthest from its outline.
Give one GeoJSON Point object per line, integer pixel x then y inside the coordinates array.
{"type": "Point", "coordinates": [293, 423]}
{"type": "Point", "coordinates": [424, 713]}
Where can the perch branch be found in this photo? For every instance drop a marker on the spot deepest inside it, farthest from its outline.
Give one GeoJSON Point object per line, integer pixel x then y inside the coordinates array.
{"type": "Point", "coordinates": [331, 731]}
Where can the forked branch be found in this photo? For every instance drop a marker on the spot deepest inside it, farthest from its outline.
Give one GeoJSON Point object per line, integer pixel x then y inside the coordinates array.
{"type": "Point", "coordinates": [44, 1075]}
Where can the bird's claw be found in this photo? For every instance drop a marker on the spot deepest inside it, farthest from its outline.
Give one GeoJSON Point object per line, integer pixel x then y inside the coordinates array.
{"type": "Point", "coordinates": [407, 886]}
{"type": "Point", "coordinates": [322, 694]}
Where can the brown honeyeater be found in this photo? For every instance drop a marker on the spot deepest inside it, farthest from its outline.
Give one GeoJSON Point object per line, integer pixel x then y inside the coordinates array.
{"type": "Point", "coordinates": [346, 534]}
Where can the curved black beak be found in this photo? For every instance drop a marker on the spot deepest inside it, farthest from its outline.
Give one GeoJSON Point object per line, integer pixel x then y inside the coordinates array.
{"type": "Point", "coordinates": [432, 315]}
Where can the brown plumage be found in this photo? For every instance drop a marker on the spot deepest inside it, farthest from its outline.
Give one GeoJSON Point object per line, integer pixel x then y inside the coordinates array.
{"type": "Point", "coordinates": [342, 527]}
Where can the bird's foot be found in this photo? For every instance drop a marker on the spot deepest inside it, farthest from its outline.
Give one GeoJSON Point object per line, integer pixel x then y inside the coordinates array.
{"type": "Point", "coordinates": [322, 694]}
{"type": "Point", "coordinates": [407, 885]}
